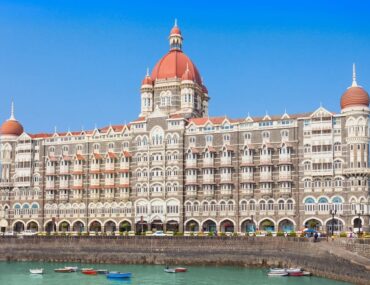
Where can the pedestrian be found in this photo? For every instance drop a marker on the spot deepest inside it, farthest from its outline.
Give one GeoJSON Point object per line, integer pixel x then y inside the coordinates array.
{"type": "Point", "coordinates": [316, 235]}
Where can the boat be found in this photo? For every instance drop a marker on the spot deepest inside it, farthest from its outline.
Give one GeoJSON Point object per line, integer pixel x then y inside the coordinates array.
{"type": "Point", "coordinates": [293, 270]}
{"type": "Point", "coordinates": [175, 270]}
{"type": "Point", "coordinates": [89, 272]}
{"type": "Point", "coordinates": [37, 271]}
{"type": "Point", "coordinates": [277, 274]}
{"type": "Point", "coordinates": [119, 275]}
{"type": "Point", "coordinates": [306, 273]}
{"type": "Point", "coordinates": [63, 270]}
{"type": "Point", "coordinates": [72, 268]}
{"type": "Point", "coordinates": [102, 271]}
{"type": "Point", "coordinates": [296, 274]}
{"type": "Point", "coordinates": [278, 270]}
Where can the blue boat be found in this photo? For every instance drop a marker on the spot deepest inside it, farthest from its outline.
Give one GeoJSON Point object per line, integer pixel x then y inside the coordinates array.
{"type": "Point", "coordinates": [119, 275]}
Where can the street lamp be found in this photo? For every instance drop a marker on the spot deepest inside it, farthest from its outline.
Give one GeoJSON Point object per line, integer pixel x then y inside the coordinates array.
{"type": "Point", "coordinates": [359, 221]}
{"type": "Point", "coordinates": [332, 213]}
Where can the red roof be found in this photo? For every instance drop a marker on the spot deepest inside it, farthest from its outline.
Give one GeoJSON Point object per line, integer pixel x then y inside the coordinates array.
{"type": "Point", "coordinates": [173, 65]}
{"type": "Point", "coordinates": [354, 96]}
{"type": "Point", "coordinates": [11, 127]}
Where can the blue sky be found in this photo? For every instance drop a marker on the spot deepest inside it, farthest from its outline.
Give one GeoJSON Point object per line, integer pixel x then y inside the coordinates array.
{"type": "Point", "coordinates": [74, 64]}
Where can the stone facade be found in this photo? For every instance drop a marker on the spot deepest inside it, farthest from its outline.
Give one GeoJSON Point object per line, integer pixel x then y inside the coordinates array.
{"type": "Point", "coordinates": [175, 168]}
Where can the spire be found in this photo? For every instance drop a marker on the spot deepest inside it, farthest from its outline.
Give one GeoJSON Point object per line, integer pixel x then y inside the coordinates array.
{"type": "Point", "coordinates": [354, 82]}
{"type": "Point", "coordinates": [12, 118]}
{"type": "Point", "coordinates": [147, 72]}
{"type": "Point", "coordinates": [175, 25]}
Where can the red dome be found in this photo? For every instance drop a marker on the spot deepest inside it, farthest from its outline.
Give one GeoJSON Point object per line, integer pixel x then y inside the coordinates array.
{"type": "Point", "coordinates": [11, 127]}
{"type": "Point", "coordinates": [354, 96]}
{"type": "Point", "coordinates": [147, 81]}
{"type": "Point", "coordinates": [175, 31]}
{"type": "Point", "coordinates": [173, 65]}
{"type": "Point", "coordinates": [187, 75]}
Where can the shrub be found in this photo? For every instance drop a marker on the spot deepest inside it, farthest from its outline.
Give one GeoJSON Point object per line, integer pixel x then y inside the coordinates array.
{"type": "Point", "coordinates": [342, 234]}
{"type": "Point", "coordinates": [210, 234]}
{"type": "Point", "coordinates": [179, 234]}
{"type": "Point", "coordinates": [293, 234]}
{"type": "Point", "coordinates": [235, 234]}
{"type": "Point", "coordinates": [269, 234]}
{"type": "Point", "coordinates": [279, 234]}
{"type": "Point", "coordinates": [191, 234]}
{"type": "Point", "coordinates": [222, 234]}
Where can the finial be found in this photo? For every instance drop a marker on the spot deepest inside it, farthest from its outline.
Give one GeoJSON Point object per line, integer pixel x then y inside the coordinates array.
{"type": "Point", "coordinates": [320, 104]}
{"type": "Point", "coordinates": [354, 83]}
{"type": "Point", "coordinates": [12, 112]}
{"type": "Point", "coordinates": [55, 129]}
{"type": "Point", "coordinates": [82, 128]}
{"type": "Point", "coordinates": [147, 72]}
{"type": "Point", "coordinates": [68, 130]}
{"type": "Point", "coordinates": [95, 126]}
{"type": "Point", "coordinates": [175, 22]}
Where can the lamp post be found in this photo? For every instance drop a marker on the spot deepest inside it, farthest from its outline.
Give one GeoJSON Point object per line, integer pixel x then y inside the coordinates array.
{"type": "Point", "coordinates": [359, 213]}
{"type": "Point", "coordinates": [332, 213]}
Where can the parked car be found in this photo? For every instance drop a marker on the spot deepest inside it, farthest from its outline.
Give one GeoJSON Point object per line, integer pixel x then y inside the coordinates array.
{"type": "Point", "coordinates": [28, 233]}
{"type": "Point", "coordinates": [10, 233]}
{"type": "Point", "coordinates": [159, 234]}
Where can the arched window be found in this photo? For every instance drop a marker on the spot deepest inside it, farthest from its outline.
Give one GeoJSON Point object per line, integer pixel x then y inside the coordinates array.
{"type": "Point", "coordinates": [323, 205]}
{"type": "Point", "coordinates": [157, 136]}
{"type": "Point", "coordinates": [309, 204]}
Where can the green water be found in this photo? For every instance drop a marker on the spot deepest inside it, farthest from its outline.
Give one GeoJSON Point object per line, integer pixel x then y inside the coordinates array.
{"type": "Point", "coordinates": [17, 273]}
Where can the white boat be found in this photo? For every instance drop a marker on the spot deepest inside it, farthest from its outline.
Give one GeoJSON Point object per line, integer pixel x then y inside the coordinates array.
{"type": "Point", "coordinates": [277, 274]}
{"type": "Point", "coordinates": [72, 268]}
{"type": "Point", "coordinates": [293, 270]}
{"type": "Point", "coordinates": [37, 271]}
{"type": "Point", "coordinates": [278, 270]}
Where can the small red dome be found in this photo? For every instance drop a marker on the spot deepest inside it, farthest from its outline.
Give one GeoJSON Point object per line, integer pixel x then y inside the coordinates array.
{"type": "Point", "coordinates": [175, 31]}
{"type": "Point", "coordinates": [147, 81]}
{"type": "Point", "coordinates": [173, 65]}
{"type": "Point", "coordinates": [204, 89]}
{"type": "Point", "coordinates": [354, 96]}
{"type": "Point", "coordinates": [11, 127]}
{"type": "Point", "coordinates": [187, 75]}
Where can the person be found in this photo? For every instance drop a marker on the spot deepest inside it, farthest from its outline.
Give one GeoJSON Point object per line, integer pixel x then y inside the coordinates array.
{"type": "Point", "coordinates": [316, 235]}
{"type": "Point", "coordinates": [285, 234]}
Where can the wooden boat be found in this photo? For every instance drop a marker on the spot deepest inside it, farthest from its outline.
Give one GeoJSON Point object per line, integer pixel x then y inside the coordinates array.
{"type": "Point", "coordinates": [72, 268]}
{"type": "Point", "coordinates": [63, 270]}
{"type": "Point", "coordinates": [37, 271]}
{"type": "Point", "coordinates": [306, 273]}
{"type": "Point", "coordinates": [277, 274]}
{"type": "Point", "coordinates": [119, 275]}
{"type": "Point", "coordinates": [89, 272]}
{"type": "Point", "coordinates": [102, 271]}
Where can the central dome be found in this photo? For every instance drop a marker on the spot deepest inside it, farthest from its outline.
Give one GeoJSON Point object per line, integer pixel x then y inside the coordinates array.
{"type": "Point", "coordinates": [173, 65]}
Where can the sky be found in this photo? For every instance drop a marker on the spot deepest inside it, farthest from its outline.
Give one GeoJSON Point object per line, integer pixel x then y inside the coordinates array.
{"type": "Point", "coordinates": [75, 64]}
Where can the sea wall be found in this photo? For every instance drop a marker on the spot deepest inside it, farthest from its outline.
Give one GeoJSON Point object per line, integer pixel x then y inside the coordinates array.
{"type": "Point", "coordinates": [239, 251]}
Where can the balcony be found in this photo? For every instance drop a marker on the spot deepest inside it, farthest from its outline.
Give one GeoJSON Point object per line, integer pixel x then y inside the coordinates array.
{"type": "Point", "coordinates": [191, 193]}
{"type": "Point", "coordinates": [208, 179]}
{"type": "Point", "coordinates": [64, 169]}
{"type": "Point", "coordinates": [226, 177]}
{"type": "Point", "coordinates": [95, 182]}
{"type": "Point", "coordinates": [50, 185]}
{"type": "Point", "coordinates": [265, 159]}
{"type": "Point", "coordinates": [266, 176]}
{"type": "Point", "coordinates": [64, 184]}
{"type": "Point", "coordinates": [247, 177]}
{"type": "Point", "coordinates": [285, 159]}
{"type": "Point", "coordinates": [285, 190]}
{"type": "Point", "coordinates": [95, 168]}
{"type": "Point", "coordinates": [77, 183]}
{"type": "Point", "coordinates": [247, 160]}
{"type": "Point", "coordinates": [191, 163]}
{"type": "Point", "coordinates": [109, 182]}
{"type": "Point", "coordinates": [266, 191]}
{"type": "Point", "coordinates": [191, 179]}
{"type": "Point", "coordinates": [208, 192]}
{"type": "Point", "coordinates": [50, 170]}
{"type": "Point", "coordinates": [226, 192]}
{"type": "Point", "coordinates": [285, 176]}
{"type": "Point", "coordinates": [109, 167]}
{"type": "Point", "coordinates": [225, 161]}
{"type": "Point", "coordinates": [247, 192]}
{"type": "Point", "coordinates": [208, 162]}
{"type": "Point", "coordinates": [77, 169]}
{"type": "Point", "coordinates": [321, 172]}
{"type": "Point", "coordinates": [125, 165]}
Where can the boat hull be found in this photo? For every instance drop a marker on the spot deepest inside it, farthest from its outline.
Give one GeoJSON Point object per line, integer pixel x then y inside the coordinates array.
{"type": "Point", "coordinates": [89, 272]}
{"type": "Point", "coordinates": [63, 270]}
{"type": "Point", "coordinates": [37, 271]}
{"type": "Point", "coordinates": [118, 275]}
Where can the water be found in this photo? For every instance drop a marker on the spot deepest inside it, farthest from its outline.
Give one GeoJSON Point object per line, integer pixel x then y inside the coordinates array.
{"type": "Point", "coordinates": [17, 273]}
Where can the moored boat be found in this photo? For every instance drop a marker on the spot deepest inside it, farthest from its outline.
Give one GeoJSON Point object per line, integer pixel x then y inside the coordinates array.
{"type": "Point", "coordinates": [102, 271]}
{"type": "Point", "coordinates": [119, 275]}
{"type": "Point", "coordinates": [306, 273]}
{"type": "Point", "coordinates": [278, 270]}
{"type": "Point", "coordinates": [293, 270]}
{"type": "Point", "coordinates": [63, 270]}
{"type": "Point", "coordinates": [89, 272]}
{"type": "Point", "coordinates": [296, 274]}
{"type": "Point", "coordinates": [277, 274]}
{"type": "Point", "coordinates": [175, 270]}
{"type": "Point", "coordinates": [72, 268]}
{"type": "Point", "coordinates": [37, 271]}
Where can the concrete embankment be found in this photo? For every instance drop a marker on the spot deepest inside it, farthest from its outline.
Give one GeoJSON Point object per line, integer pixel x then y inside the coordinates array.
{"type": "Point", "coordinates": [337, 260]}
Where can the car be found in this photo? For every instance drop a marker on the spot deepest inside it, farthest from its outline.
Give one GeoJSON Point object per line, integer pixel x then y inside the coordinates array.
{"type": "Point", "coordinates": [28, 233]}
{"type": "Point", "coordinates": [10, 233]}
{"type": "Point", "coordinates": [159, 234]}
